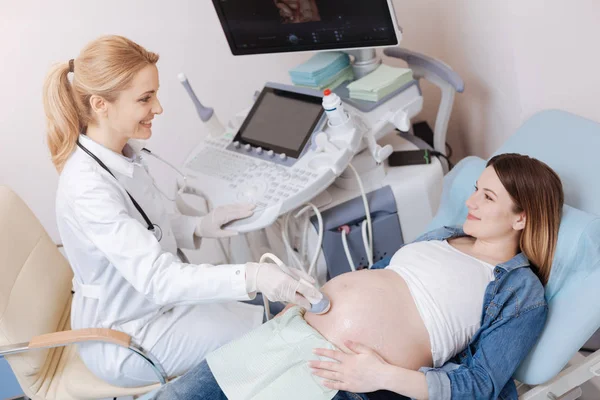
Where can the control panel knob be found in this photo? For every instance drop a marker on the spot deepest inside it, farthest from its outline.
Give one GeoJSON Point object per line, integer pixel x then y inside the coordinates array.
{"type": "Point", "coordinates": [270, 153]}
{"type": "Point", "coordinates": [283, 157]}
{"type": "Point", "coordinates": [259, 150]}
{"type": "Point", "coordinates": [236, 144]}
{"type": "Point", "coordinates": [247, 147]}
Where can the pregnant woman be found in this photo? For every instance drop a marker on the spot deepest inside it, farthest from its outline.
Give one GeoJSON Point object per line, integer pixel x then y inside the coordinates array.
{"type": "Point", "coordinates": [451, 316]}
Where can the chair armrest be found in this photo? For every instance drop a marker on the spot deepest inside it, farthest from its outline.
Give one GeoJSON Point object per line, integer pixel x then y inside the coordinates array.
{"type": "Point", "coordinates": [78, 336]}
{"type": "Point", "coordinates": [65, 338]}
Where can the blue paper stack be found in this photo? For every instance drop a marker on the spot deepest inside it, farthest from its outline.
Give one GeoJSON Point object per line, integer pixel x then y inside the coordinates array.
{"type": "Point", "coordinates": [323, 70]}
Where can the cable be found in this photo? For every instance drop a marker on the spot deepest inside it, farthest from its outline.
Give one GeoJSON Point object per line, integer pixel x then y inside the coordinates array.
{"type": "Point", "coordinates": [449, 150]}
{"type": "Point", "coordinates": [286, 241]}
{"type": "Point", "coordinates": [227, 252]}
{"type": "Point", "coordinates": [197, 192]}
{"type": "Point", "coordinates": [430, 143]}
{"type": "Point", "coordinates": [367, 239]}
{"type": "Point", "coordinates": [345, 230]}
{"type": "Point", "coordinates": [304, 240]}
{"type": "Point", "coordinates": [145, 150]}
{"type": "Point", "coordinates": [313, 262]}
{"type": "Point", "coordinates": [440, 154]}
{"type": "Point", "coordinates": [369, 249]}
{"type": "Point", "coordinates": [366, 242]}
{"type": "Point", "coordinates": [285, 269]}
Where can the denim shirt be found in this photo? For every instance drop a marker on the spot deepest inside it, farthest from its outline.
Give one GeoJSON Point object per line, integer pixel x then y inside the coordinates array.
{"type": "Point", "coordinates": [513, 316]}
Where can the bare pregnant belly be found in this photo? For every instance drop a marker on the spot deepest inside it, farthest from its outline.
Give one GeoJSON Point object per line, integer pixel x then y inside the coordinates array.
{"type": "Point", "coordinates": [375, 308]}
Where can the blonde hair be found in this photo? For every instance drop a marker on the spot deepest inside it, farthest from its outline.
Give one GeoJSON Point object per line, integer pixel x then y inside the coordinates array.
{"type": "Point", "coordinates": [536, 190]}
{"type": "Point", "coordinates": [104, 68]}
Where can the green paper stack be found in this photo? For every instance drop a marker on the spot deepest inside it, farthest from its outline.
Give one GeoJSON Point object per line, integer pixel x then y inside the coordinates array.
{"type": "Point", "coordinates": [379, 83]}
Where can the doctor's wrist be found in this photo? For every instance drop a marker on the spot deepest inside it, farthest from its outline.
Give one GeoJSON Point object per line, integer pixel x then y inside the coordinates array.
{"type": "Point", "coordinates": [251, 277]}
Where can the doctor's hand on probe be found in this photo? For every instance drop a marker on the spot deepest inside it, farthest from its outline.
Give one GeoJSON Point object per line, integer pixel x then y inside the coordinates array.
{"type": "Point", "coordinates": [210, 225]}
{"type": "Point", "coordinates": [276, 285]}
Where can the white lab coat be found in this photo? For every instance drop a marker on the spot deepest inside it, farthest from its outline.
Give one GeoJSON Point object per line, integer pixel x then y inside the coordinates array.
{"type": "Point", "coordinates": [125, 279]}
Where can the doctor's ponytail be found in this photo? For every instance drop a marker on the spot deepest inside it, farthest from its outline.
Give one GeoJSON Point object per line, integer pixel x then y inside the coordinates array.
{"type": "Point", "coordinates": [104, 68]}
{"type": "Point", "coordinates": [62, 117]}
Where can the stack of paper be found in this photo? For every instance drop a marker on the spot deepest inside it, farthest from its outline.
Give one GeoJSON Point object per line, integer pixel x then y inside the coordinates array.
{"type": "Point", "coordinates": [323, 70]}
{"type": "Point", "coordinates": [379, 83]}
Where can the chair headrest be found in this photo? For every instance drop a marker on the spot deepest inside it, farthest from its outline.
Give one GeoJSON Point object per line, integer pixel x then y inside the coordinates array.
{"type": "Point", "coordinates": [569, 144]}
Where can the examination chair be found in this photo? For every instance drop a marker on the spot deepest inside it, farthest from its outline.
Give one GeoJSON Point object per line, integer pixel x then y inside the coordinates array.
{"type": "Point", "coordinates": [569, 145]}
{"type": "Point", "coordinates": [35, 309]}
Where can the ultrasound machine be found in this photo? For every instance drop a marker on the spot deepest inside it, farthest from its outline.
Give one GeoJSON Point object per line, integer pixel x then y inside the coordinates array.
{"type": "Point", "coordinates": [323, 192]}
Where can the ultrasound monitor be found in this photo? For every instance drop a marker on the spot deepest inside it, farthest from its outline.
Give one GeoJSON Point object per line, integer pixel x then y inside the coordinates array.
{"type": "Point", "coordinates": [275, 26]}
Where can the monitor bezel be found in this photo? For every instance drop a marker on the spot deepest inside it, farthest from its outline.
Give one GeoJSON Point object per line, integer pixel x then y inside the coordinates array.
{"type": "Point", "coordinates": [305, 48]}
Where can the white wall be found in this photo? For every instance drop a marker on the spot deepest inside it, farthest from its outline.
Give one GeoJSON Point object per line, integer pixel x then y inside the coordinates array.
{"type": "Point", "coordinates": [516, 57]}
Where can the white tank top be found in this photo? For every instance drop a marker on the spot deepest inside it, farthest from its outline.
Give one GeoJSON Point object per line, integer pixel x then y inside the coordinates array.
{"type": "Point", "coordinates": [448, 287]}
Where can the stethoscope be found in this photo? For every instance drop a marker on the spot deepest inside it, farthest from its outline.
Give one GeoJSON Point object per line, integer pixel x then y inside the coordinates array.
{"type": "Point", "coordinates": [155, 229]}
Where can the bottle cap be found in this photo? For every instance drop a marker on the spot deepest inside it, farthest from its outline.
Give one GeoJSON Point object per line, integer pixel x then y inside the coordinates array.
{"type": "Point", "coordinates": [327, 92]}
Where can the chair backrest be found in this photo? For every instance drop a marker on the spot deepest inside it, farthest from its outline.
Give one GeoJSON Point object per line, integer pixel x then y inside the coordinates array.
{"type": "Point", "coordinates": [567, 143]}
{"type": "Point", "coordinates": [35, 291]}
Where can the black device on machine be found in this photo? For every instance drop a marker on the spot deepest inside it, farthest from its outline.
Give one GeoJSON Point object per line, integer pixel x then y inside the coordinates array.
{"type": "Point", "coordinates": [410, 157]}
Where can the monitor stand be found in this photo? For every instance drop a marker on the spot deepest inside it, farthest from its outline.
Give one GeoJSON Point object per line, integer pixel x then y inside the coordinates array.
{"type": "Point", "coordinates": [365, 61]}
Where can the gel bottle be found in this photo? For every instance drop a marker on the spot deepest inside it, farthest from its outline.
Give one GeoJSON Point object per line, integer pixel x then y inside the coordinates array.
{"type": "Point", "coordinates": [334, 108]}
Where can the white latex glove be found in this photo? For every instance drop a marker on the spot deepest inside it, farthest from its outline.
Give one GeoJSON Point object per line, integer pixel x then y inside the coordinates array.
{"type": "Point", "coordinates": [277, 285]}
{"type": "Point", "coordinates": [210, 224]}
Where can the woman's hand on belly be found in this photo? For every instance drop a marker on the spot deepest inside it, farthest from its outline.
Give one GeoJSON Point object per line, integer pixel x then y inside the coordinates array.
{"type": "Point", "coordinates": [360, 370]}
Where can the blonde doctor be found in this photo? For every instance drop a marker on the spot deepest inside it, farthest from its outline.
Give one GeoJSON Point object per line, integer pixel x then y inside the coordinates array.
{"type": "Point", "coordinates": [120, 241]}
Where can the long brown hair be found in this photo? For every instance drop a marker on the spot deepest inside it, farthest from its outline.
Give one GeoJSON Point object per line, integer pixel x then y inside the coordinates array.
{"type": "Point", "coordinates": [104, 67]}
{"type": "Point", "coordinates": [536, 190]}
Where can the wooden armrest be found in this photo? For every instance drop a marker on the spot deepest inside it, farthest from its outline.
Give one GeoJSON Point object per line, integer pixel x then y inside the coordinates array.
{"type": "Point", "coordinates": [64, 338]}
{"type": "Point", "coordinates": [80, 335]}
